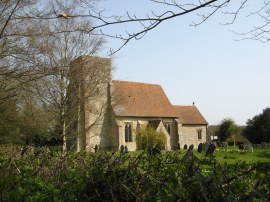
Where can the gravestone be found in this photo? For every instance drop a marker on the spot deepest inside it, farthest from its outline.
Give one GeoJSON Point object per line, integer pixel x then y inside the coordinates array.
{"type": "Point", "coordinates": [200, 147]}
{"type": "Point", "coordinates": [250, 149]}
{"type": "Point", "coordinates": [190, 148]}
{"type": "Point", "coordinates": [264, 145]}
{"type": "Point", "coordinates": [185, 146]}
{"type": "Point", "coordinates": [224, 145]}
{"type": "Point", "coordinates": [241, 146]}
{"type": "Point", "coordinates": [126, 149]}
{"type": "Point", "coordinates": [178, 146]}
{"type": "Point", "coordinates": [122, 149]}
{"type": "Point", "coordinates": [96, 148]}
{"type": "Point", "coordinates": [206, 145]}
{"type": "Point", "coordinates": [211, 149]}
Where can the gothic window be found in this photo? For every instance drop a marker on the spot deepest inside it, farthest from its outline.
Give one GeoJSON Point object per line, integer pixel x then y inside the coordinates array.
{"type": "Point", "coordinates": [128, 132]}
{"type": "Point", "coordinates": [199, 134]}
{"type": "Point", "coordinates": [168, 128]}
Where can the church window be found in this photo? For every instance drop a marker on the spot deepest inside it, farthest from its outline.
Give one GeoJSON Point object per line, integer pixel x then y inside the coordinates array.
{"type": "Point", "coordinates": [199, 134]}
{"type": "Point", "coordinates": [128, 132]}
{"type": "Point", "coordinates": [168, 128]}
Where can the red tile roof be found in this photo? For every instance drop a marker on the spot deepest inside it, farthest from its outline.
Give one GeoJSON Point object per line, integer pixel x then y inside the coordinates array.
{"type": "Point", "coordinates": [141, 100]}
{"type": "Point", "coordinates": [190, 115]}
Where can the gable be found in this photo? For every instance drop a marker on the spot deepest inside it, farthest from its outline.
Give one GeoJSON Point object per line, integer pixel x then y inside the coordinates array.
{"type": "Point", "coordinates": [190, 115]}
{"type": "Point", "coordinates": [140, 100]}
{"type": "Point", "coordinates": [154, 124]}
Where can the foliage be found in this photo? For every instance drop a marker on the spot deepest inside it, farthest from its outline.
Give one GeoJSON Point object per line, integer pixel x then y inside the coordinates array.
{"type": "Point", "coordinates": [258, 128]}
{"type": "Point", "coordinates": [9, 126]}
{"type": "Point", "coordinates": [46, 175]}
{"type": "Point", "coordinates": [226, 129]}
{"type": "Point", "coordinates": [148, 137]}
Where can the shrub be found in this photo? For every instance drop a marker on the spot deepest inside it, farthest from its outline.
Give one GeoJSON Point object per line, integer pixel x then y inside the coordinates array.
{"type": "Point", "coordinates": [46, 175]}
{"type": "Point", "coordinates": [148, 137]}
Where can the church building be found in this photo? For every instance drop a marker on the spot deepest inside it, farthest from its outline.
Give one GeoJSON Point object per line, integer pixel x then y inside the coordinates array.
{"type": "Point", "coordinates": [108, 111]}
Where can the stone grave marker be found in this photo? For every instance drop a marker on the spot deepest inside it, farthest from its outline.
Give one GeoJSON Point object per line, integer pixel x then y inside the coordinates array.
{"type": "Point", "coordinates": [178, 146]}
{"type": "Point", "coordinates": [206, 145]}
{"type": "Point", "coordinates": [241, 147]}
{"type": "Point", "coordinates": [200, 147]}
{"type": "Point", "coordinates": [122, 149]}
{"type": "Point", "coordinates": [264, 145]}
{"type": "Point", "coordinates": [224, 145]}
{"type": "Point", "coordinates": [190, 148]}
{"type": "Point", "coordinates": [250, 149]}
{"type": "Point", "coordinates": [96, 148]}
{"type": "Point", "coordinates": [126, 149]}
{"type": "Point", "coordinates": [211, 149]}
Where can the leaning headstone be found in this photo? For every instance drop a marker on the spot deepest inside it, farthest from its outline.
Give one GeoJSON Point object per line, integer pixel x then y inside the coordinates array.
{"type": "Point", "coordinates": [241, 147]}
{"type": "Point", "coordinates": [211, 149]}
{"type": "Point", "coordinates": [264, 145]}
{"type": "Point", "coordinates": [185, 146]}
{"type": "Point", "coordinates": [200, 147]}
{"type": "Point", "coordinates": [224, 145]}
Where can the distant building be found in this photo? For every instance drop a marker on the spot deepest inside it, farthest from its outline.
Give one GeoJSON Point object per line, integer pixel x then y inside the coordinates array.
{"type": "Point", "coordinates": [109, 111]}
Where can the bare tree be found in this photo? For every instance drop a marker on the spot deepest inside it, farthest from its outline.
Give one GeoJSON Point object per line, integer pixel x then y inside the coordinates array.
{"type": "Point", "coordinates": [201, 10]}
{"type": "Point", "coordinates": [56, 53]}
{"type": "Point", "coordinates": [21, 25]}
{"type": "Point", "coordinates": [16, 12]}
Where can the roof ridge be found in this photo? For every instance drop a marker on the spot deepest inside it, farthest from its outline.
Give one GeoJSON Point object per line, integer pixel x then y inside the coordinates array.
{"type": "Point", "coordinates": [136, 82]}
{"type": "Point", "coordinates": [184, 106]}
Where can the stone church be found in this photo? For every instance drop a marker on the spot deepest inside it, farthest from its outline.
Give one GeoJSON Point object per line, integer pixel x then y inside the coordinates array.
{"type": "Point", "coordinates": [105, 112]}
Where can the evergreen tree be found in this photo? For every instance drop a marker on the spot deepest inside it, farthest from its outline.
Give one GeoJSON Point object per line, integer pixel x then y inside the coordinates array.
{"type": "Point", "coordinates": [258, 128]}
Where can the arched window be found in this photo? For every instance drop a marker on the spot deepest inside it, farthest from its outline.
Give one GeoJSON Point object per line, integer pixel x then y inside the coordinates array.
{"type": "Point", "coordinates": [168, 128]}
{"type": "Point", "coordinates": [199, 134]}
{"type": "Point", "coordinates": [128, 132]}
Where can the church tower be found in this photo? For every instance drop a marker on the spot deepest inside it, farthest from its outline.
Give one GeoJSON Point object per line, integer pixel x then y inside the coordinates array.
{"type": "Point", "coordinates": [91, 78]}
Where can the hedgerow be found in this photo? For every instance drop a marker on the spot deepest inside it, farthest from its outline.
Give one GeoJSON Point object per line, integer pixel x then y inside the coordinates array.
{"type": "Point", "coordinates": [46, 175]}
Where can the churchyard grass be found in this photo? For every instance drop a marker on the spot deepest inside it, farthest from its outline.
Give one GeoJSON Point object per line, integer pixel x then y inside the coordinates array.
{"type": "Point", "coordinates": [233, 154]}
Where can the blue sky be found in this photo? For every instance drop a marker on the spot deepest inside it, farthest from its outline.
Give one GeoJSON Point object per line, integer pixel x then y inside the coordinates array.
{"type": "Point", "coordinates": [205, 64]}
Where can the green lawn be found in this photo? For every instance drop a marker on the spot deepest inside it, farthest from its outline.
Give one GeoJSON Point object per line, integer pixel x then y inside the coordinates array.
{"type": "Point", "coordinates": [233, 154]}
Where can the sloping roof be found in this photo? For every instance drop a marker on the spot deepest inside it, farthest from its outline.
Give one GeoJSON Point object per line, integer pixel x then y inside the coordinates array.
{"type": "Point", "coordinates": [141, 100]}
{"type": "Point", "coordinates": [190, 115]}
